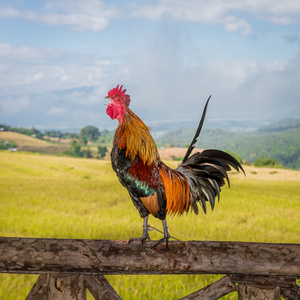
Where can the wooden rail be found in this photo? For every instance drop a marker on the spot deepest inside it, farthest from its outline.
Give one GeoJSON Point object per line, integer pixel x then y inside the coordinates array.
{"type": "Point", "coordinates": [68, 267]}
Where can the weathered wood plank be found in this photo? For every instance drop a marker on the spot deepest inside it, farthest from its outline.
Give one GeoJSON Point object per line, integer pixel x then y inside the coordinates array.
{"type": "Point", "coordinates": [66, 287]}
{"type": "Point", "coordinates": [289, 289]}
{"type": "Point", "coordinates": [266, 281]}
{"type": "Point", "coordinates": [249, 292]}
{"type": "Point", "coordinates": [213, 291]}
{"type": "Point", "coordinates": [39, 290]}
{"type": "Point", "coordinates": [290, 293]}
{"type": "Point", "coordinates": [41, 256]}
{"type": "Point", "coordinates": [100, 288]}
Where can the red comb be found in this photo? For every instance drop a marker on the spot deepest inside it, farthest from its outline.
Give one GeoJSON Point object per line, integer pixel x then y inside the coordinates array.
{"type": "Point", "coordinates": [117, 92]}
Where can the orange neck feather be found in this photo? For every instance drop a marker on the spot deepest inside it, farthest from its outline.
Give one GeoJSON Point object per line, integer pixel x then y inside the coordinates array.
{"type": "Point", "coordinates": [135, 135]}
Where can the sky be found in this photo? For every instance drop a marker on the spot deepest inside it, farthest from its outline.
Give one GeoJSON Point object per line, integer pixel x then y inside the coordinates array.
{"type": "Point", "coordinates": [59, 59]}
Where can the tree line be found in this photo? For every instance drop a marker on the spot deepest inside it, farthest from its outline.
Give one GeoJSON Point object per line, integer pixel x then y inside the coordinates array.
{"type": "Point", "coordinates": [79, 142]}
{"type": "Point", "coordinates": [276, 148]}
{"type": "Point", "coordinates": [31, 132]}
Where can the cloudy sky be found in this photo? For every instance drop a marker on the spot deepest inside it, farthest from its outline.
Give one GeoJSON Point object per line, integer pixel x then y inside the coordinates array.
{"type": "Point", "coordinates": [58, 60]}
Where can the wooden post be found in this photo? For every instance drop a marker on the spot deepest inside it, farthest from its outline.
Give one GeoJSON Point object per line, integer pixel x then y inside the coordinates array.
{"type": "Point", "coordinates": [66, 287]}
{"type": "Point", "coordinates": [213, 291]}
{"type": "Point", "coordinates": [39, 290]}
{"type": "Point", "coordinates": [265, 287]}
{"type": "Point", "coordinates": [290, 293]}
{"type": "Point", "coordinates": [100, 288]}
{"type": "Point", "coordinates": [249, 292]}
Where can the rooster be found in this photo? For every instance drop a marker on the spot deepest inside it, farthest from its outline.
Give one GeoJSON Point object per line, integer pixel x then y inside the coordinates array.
{"type": "Point", "coordinates": [155, 188]}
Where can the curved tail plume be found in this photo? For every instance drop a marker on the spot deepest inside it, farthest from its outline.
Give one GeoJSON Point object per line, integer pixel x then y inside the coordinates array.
{"type": "Point", "coordinates": [195, 139]}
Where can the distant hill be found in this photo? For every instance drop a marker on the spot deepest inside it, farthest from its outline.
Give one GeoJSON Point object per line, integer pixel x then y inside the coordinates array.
{"type": "Point", "coordinates": [209, 137]}
{"type": "Point", "coordinates": [284, 146]}
{"type": "Point", "coordinates": [31, 144]}
{"type": "Point", "coordinates": [280, 141]}
{"type": "Point", "coordinates": [281, 125]}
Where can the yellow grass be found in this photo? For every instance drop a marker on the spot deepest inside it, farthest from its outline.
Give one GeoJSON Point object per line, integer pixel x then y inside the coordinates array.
{"type": "Point", "coordinates": [63, 197]}
{"type": "Point", "coordinates": [28, 143]}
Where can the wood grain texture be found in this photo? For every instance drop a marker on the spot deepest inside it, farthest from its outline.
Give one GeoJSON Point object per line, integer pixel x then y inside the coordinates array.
{"type": "Point", "coordinates": [290, 293]}
{"type": "Point", "coordinates": [66, 287]}
{"type": "Point", "coordinates": [249, 292]}
{"type": "Point", "coordinates": [39, 290]}
{"type": "Point", "coordinates": [266, 281]}
{"type": "Point", "coordinates": [100, 288]}
{"type": "Point", "coordinates": [214, 291]}
{"type": "Point", "coordinates": [42, 256]}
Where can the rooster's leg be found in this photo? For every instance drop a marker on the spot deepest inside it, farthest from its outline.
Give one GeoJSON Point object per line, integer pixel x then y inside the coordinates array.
{"type": "Point", "coordinates": [145, 233]}
{"type": "Point", "coordinates": [166, 237]}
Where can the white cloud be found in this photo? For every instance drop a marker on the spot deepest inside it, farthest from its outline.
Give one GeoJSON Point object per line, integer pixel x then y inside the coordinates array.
{"type": "Point", "coordinates": [81, 15]}
{"type": "Point", "coordinates": [40, 86]}
{"type": "Point", "coordinates": [13, 106]}
{"type": "Point", "coordinates": [35, 70]}
{"type": "Point", "coordinates": [65, 78]}
{"type": "Point", "coordinates": [240, 90]}
{"type": "Point", "coordinates": [95, 15]}
{"type": "Point", "coordinates": [9, 12]}
{"type": "Point", "coordinates": [38, 76]}
{"type": "Point", "coordinates": [283, 20]}
{"type": "Point", "coordinates": [169, 71]}
{"type": "Point", "coordinates": [56, 111]}
{"type": "Point", "coordinates": [166, 87]}
{"type": "Point", "coordinates": [223, 12]}
{"type": "Point", "coordinates": [233, 24]}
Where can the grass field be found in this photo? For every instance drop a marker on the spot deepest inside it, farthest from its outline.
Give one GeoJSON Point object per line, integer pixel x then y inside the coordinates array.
{"type": "Point", "coordinates": [28, 143]}
{"type": "Point", "coordinates": [61, 197]}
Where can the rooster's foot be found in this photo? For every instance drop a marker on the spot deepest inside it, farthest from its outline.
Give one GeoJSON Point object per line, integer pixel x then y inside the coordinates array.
{"type": "Point", "coordinates": [166, 237]}
{"type": "Point", "coordinates": [141, 239]}
{"type": "Point", "coordinates": [161, 241]}
{"type": "Point", "coordinates": [145, 235]}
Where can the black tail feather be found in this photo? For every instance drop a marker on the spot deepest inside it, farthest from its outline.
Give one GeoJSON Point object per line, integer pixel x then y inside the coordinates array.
{"type": "Point", "coordinates": [206, 172]}
{"type": "Point", "coordinates": [226, 159]}
{"type": "Point", "coordinates": [194, 141]}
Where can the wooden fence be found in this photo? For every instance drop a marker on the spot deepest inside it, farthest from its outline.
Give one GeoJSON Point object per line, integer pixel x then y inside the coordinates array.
{"type": "Point", "coordinates": [68, 267]}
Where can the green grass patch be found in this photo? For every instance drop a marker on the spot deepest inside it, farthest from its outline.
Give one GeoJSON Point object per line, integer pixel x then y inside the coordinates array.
{"type": "Point", "coordinates": [63, 197]}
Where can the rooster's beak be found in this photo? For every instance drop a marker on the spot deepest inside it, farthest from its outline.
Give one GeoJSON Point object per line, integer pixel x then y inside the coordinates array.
{"type": "Point", "coordinates": [109, 100]}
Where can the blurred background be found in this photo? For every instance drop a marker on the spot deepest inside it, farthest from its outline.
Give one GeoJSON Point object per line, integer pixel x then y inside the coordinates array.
{"type": "Point", "coordinates": [60, 58]}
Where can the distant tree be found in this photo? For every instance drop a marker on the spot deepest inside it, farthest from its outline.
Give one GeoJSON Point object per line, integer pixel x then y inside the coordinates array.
{"type": "Point", "coordinates": [76, 148]}
{"type": "Point", "coordinates": [102, 151]}
{"type": "Point", "coordinates": [34, 133]}
{"type": "Point", "coordinates": [87, 153]}
{"type": "Point", "coordinates": [179, 158]}
{"type": "Point", "coordinates": [54, 133]}
{"type": "Point", "coordinates": [83, 140]}
{"type": "Point", "coordinates": [5, 127]}
{"type": "Point", "coordinates": [267, 162]}
{"type": "Point", "coordinates": [89, 133]}
{"type": "Point", "coordinates": [7, 144]}
{"type": "Point", "coordinates": [72, 135]}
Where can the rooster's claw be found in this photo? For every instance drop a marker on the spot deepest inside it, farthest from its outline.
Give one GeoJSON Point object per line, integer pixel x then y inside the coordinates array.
{"type": "Point", "coordinates": [163, 240]}
{"type": "Point", "coordinates": [141, 239]}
